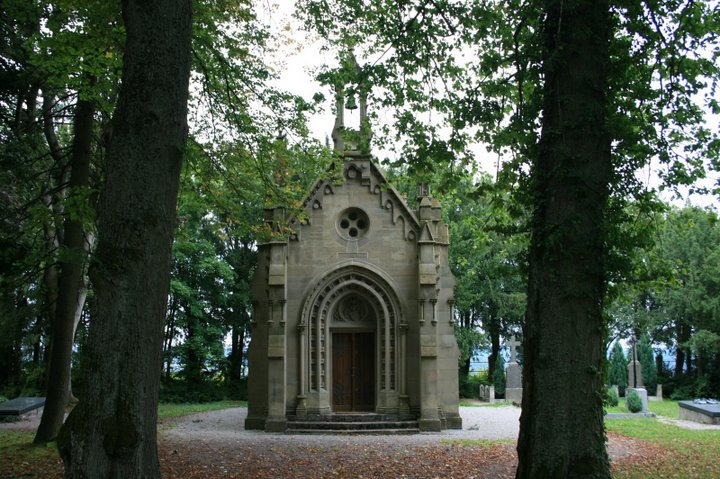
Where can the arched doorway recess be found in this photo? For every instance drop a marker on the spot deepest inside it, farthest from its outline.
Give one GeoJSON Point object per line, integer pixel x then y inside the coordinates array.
{"type": "Point", "coordinates": [352, 341]}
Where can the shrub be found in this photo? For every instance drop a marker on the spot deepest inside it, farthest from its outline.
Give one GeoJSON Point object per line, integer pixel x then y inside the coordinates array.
{"type": "Point", "coordinates": [617, 370]}
{"type": "Point", "coordinates": [611, 397]}
{"type": "Point", "coordinates": [634, 403]}
{"type": "Point", "coordinates": [470, 385]}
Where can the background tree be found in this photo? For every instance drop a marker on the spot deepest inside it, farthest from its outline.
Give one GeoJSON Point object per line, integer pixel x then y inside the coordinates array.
{"type": "Point", "coordinates": [647, 362]}
{"type": "Point", "coordinates": [617, 371]}
{"type": "Point", "coordinates": [499, 379]}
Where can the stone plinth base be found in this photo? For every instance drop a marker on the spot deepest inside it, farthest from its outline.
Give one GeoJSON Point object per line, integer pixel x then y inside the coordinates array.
{"type": "Point", "coordinates": [430, 425]}
{"type": "Point", "coordinates": [703, 413]}
{"type": "Point", "coordinates": [276, 425]}
{"type": "Point", "coordinates": [255, 423]}
{"type": "Point", "coordinates": [689, 415]}
{"type": "Point", "coordinates": [513, 395]}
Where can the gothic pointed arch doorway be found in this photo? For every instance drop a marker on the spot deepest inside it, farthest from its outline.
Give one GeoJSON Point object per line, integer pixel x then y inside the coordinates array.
{"type": "Point", "coordinates": [352, 340]}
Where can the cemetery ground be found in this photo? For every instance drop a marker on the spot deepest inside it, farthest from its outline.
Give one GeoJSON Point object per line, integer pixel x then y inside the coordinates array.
{"type": "Point", "coordinates": [207, 440]}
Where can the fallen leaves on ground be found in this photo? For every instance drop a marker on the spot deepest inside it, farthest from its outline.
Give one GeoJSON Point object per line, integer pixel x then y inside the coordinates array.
{"type": "Point", "coordinates": [194, 459]}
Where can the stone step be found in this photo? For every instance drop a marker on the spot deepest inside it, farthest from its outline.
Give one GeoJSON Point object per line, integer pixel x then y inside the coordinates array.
{"type": "Point", "coordinates": [349, 417]}
{"type": "Point", "coordinates": [352, 432]}
{"type": "Point", "coordinates": [363, 425]}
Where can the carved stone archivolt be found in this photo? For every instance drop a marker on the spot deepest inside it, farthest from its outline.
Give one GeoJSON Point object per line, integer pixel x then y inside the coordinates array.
{"type": "Point", "coordinates": [351, 295]}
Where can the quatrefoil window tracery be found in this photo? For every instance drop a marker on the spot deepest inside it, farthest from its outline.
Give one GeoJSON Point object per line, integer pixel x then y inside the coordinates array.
{"type": "Point", "coordinates": [353, 223]}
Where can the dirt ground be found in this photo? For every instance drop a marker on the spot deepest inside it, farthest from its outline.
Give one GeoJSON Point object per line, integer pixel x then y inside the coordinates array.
{"type": "Point", "coordinates": [215, 444]}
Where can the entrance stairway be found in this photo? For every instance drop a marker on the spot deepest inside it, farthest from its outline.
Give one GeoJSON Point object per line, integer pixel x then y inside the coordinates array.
{"type": "Point", "coordinates": [352, 423]}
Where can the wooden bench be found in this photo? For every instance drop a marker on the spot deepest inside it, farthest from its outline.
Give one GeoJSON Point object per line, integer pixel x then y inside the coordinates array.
{"type": "Point", "coordinates": [21, 405]}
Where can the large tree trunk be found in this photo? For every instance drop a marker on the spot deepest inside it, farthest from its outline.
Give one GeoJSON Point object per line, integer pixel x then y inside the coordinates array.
{"type": "Point", "coordinates": [112, 432]}
{"type": "Point", "coordinates": [561, 426]}
{"type": "Point", "coordinates": [72, 270]}
{"type": "Point", "coordinates": [493, 327]}
{"type": "Point", "coordinates": [683, 335]}
{"type": "Point", "coordinates": [238, 342]}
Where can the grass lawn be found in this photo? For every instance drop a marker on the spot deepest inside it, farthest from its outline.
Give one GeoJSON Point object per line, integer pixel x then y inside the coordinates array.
{"type": "Point", "coordinates": [666, 408]}
{"type": "Point", "coordinates": [474, 403]}
{"type": "Point", "coordinates": [691, 454]}
{"type": "Point", "coordinates": [170, 410]}
{"type": "Point", "coordinates": [21, 458]}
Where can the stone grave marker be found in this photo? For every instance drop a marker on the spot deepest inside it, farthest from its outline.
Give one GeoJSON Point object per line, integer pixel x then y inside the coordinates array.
{"type": "Point", "coordinates": [513, 372]}
{"type": "Point", "coordinates": [21, 405]}
{"type": "Point", "coordinates": [706, 411]}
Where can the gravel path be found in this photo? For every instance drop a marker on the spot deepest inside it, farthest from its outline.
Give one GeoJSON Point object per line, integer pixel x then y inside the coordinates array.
{"type": "Point", "coordinates": [227, 424]}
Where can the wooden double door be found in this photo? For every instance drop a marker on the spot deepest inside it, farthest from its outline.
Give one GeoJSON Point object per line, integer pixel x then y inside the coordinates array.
{"type": "Point", "coordinates": [353, 371]}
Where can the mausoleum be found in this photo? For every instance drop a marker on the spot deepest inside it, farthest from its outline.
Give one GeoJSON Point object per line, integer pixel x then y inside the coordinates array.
{"type": "Point", "coordinates": [353, 307]}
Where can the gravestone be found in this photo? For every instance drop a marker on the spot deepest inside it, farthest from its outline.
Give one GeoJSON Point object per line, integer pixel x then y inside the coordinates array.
{"type": "Point", "coordinates": [513, 372]}
{"type": "Point", "coordinates": [487, 393]}
{"type": "Point", "coordinates": [634, 368]}
{"type": "Point", "coordinates": [658, 394]}
{"type": "Point", "coordinates": [706, 411]}
{"type": "Point", "coordinates": [21, 405]}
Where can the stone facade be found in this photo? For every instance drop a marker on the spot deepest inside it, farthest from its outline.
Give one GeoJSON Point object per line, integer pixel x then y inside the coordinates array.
{"type": "Point", "coordinates": [353, 310]}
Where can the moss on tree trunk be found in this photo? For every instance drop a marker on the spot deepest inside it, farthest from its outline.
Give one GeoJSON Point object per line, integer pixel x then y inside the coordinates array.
{"type": "Point", "coordinates": [561, 427]}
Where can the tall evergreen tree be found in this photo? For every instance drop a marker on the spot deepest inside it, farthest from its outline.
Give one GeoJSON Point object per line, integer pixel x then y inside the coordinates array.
{"type": "Point", "coordinates": [617, 371]}
{"type": "Point", "coordinates": [499, 379]}
{"type": "Point", "coordinates": [647, 362]}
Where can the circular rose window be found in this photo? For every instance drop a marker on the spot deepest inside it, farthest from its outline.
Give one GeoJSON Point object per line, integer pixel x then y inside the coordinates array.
{"type": "Point", "coordinates": [353, 223]}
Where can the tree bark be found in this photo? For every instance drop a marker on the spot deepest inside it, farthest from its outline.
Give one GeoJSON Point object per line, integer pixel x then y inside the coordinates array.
{"type": "Point", "coordinates": [72, 270]}
{"type": "Point", "coordinates": [562, 434]}
{"type": "Point", "coordinates": [112, 432]}
{"type": "Point", "coordinates": [493, 326]}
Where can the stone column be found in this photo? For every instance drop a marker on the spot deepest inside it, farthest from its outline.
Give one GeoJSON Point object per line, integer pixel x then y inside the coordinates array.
{"type": "Point", "coordinates": [301, 407]}
{"type": "Point", "coordinates": [404, 407]}
{"type": "Point", "coordinates": [276, 344]}
{"type": "Point", "coordinates": [276, 420]}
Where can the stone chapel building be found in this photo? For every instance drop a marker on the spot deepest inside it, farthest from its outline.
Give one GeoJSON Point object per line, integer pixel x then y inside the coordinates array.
{"type": "Point", "coordinates": [353, 309]}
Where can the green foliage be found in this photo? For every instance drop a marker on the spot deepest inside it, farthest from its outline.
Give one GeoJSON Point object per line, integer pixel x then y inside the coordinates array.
{"type": "Point", "coordinates": [470, 384]}
{"type": "Point", "coordinates": [634, 403]}
{"type": "Point", "coordinates": [499, 379]}
{"type": "Point", "coordinates": [205, 392]}
{"type": "Point", "coordinates": [647, 361]}
{"type": "Point", "coordinates": [611, 397]}
{"type": "Point", "coordinates": [468, 340]}
{"type": "Point", "coordinates": [617, 372]}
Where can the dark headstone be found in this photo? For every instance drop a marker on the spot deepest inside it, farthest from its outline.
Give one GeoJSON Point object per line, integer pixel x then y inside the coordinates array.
{"type": "Point", "coordinates": [700, 410]}
{"type": "Point", "coordinates": [18, 406]}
